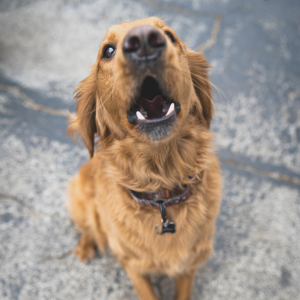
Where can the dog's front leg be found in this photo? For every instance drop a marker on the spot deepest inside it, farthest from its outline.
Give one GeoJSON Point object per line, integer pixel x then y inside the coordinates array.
{"type": "Point", "coordinates": [184, 285]}
{"type": "Point", "coordinates": [141, 284]}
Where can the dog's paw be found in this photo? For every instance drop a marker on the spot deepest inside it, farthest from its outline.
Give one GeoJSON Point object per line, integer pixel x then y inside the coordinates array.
{"type": "Point", "coordinates": [85, 249]}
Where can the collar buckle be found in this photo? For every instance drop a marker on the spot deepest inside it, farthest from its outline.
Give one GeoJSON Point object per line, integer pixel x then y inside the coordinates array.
{"type": "Point", "coordinates": [166, 225]}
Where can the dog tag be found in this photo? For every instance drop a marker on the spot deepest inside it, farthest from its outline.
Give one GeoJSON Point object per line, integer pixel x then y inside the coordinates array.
{"type": "Point", "coordinates": [166, 225]}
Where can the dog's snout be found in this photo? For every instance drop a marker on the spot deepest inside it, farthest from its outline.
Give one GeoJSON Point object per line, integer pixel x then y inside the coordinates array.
{"type": "Point", "coordinates": [144, 43]}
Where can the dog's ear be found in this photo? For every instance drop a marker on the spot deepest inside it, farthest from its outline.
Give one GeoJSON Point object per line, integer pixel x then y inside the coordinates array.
{"type": "Point", "coordinates": [85, 119]}
{"type": "Point", "coordinates": [199, 72]}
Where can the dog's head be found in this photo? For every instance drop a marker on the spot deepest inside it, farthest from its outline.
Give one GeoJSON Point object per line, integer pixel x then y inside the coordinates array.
{"type": "Point", "coordinates": [145, 84]}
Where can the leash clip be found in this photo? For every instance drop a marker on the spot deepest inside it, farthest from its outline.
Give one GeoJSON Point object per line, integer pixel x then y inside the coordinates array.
{"type": "Point", "coordinates": [166, 225]}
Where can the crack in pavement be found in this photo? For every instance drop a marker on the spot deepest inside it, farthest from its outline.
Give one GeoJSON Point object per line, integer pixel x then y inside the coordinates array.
{"type": "Point", "coordinates": [30, 208]}
{"type": "Point", "coordinates": [213, 35]}
{"type": "Point", "coordinates": [178, 9]}
{"type": "Point", "coordinates": [272, 175]}
{"type": "Point", "coordinates": [59, 257]}
{"type": "Point", "coordinates": [29, 103]}
{"type": "Point", "coordinates": [18, 200]}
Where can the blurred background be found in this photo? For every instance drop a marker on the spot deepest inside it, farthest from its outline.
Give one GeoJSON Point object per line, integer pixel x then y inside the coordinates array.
{"type": "Point", "coordinates": [46, 48]}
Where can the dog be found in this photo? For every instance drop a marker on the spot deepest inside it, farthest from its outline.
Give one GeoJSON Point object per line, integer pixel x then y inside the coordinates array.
{"type": "Point", "coordinates": [151, 190]}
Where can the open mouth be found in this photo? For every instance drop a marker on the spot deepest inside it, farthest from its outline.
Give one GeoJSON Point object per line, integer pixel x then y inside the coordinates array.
{"type": "Point", "coordinates": [152, 108]}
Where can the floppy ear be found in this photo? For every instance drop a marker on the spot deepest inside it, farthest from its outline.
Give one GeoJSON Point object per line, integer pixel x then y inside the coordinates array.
{"type": "Point", "coordinates": [199, 72]}
{"type": "Point", "coordinates": [85, 119]}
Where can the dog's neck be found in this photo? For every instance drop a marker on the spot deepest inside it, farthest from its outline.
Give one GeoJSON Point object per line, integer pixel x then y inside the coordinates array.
{"type": "Point", "coordinates": [149, 167]}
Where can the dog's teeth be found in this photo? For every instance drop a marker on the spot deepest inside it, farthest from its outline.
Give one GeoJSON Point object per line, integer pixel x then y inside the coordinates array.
{"type": "Point", "coordinates": [171, 108]}
{"type": "Point", "coordinates": [140, 116]}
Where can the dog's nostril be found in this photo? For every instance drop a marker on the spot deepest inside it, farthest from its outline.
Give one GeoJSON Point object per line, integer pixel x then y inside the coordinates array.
{"type": "Point", "coordinates": [132, 44]}
{"type": "Point", "coordinates": [143, 44]}
{"type": "Point", "coordinates": [156, 39]}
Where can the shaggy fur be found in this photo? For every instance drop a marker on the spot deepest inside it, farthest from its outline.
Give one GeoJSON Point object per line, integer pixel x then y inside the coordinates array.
{"type": "Point", "coordinates": [100, 203]}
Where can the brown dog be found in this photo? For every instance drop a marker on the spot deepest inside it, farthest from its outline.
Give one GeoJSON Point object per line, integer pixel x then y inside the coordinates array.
{"type": "Point", "coordinates": [152, 189]}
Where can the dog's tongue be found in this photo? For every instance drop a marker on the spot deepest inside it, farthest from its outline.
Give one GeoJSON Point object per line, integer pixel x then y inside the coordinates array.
{"type": "Point", "coordinates": [153, 107]}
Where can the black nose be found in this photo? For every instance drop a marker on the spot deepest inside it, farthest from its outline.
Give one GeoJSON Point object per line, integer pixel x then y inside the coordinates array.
{"type": "Point", "coordinates": [144, 43]}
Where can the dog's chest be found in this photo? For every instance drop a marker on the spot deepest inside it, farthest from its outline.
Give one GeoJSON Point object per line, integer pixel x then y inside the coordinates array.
{"type": "Point", "coordinates": [135, 237]}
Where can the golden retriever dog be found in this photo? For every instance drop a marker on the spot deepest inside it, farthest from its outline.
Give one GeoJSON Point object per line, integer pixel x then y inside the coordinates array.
{"type": "Point", "coordinates": [151, 190]}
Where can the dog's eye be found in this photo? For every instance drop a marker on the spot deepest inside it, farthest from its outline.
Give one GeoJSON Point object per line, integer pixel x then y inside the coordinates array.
{"type": "Point", "coordinates": [170, 35]}
{"type": "Point", "coordinates": [109, 51]}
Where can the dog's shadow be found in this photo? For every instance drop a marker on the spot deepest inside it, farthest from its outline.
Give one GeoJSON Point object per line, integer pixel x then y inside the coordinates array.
{"type": "Point", "coordinates": [164, 287]}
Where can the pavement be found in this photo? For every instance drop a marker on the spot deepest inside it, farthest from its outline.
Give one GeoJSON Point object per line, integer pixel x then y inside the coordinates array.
{"type": "Point", "coordinates": [46, 48]}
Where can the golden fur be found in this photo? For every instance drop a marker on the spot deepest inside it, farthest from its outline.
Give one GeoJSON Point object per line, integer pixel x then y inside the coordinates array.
{"type": "Point", "coordinates": [100, 203]}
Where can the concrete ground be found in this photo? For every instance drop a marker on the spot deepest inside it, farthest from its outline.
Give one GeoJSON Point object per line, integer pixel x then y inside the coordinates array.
{"type": "Point", "coordinates": [46, 48]}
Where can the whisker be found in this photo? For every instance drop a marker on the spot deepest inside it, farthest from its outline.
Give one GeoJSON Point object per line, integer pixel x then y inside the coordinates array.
{"type": "Point", "coordinates": [104, 25]}
{"type": "Point", "coordinates": [169, 18]}
{"type": "Point", "coordinates": [220, 92]}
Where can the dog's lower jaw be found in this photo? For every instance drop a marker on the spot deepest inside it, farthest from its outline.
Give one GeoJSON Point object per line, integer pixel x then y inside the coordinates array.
{"type": "Point", "coordinates": [157, 132]}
